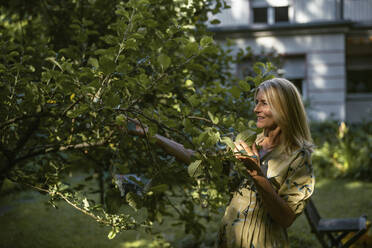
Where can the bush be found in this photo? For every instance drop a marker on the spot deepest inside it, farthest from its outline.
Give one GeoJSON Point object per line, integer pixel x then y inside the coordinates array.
{"type": "Point", "coordinates": [342, 150]}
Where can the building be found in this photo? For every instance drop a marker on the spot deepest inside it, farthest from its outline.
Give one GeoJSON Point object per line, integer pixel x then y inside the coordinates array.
{"type": "Point", "coordinates": [326, 46]}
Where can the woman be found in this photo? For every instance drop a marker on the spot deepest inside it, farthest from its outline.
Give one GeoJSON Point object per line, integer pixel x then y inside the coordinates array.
{"type": "Point", "coordinates": [279, 165]}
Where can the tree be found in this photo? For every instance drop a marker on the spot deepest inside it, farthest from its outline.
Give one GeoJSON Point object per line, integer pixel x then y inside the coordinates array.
{"type": "Point", "coordinates": [72, 72]}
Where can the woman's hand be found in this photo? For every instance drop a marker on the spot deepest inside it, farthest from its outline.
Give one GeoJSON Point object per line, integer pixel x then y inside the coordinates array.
{"type": "Point", "coordinates": [249, 156]}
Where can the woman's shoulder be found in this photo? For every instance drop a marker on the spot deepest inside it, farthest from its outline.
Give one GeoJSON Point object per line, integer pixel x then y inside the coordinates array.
{"type": "Point", "coordinates": [292, 158]}
{"type": "Point", "coordinates": [301, 158]}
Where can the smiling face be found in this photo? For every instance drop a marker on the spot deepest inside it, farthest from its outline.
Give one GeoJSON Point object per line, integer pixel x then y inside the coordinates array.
{"type": "Point", "coordinates": [265, 118]}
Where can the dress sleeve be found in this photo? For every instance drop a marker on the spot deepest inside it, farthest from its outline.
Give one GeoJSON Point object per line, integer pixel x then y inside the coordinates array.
{"type": "Point", "coordinates": [299, 183]}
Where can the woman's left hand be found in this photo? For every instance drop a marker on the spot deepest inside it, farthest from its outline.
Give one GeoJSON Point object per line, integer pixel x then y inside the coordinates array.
{"type": "Point", "coordinates": [249, 156]}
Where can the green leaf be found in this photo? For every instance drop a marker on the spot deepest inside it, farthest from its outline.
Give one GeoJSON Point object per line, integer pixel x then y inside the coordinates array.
{"type": "Point", "coordinates": [228, 141]}
{"type": "Point", "coordinates": [159, 188]}
{"type": "Point", "coordinates": [244, 85]}
{"type": "Point", "coordinates": [206, 40]}
{"type": "Point", "coordinates": [210, 50]}
{"type": "Point", "coordinates": [194, 168]}
{"type": "Point", "coordinates": [120, 119]}
{"type": "Point", "coordinates": [248, 136]}
{"type": "Point", "coordinates": [107, 64]}
{"type": "Point", "coordinates": [141, 215]}
{"type": "Point", "coordinates": [112, 234]}
{"type": "Point", "coordinates": [214, 119]}
{"type": "Point", "coordinates": [194, 100]}
{"type": "Point", "coordinates": [112, 100]}
{"type": "Point", "coordinates": [164, 61]}
{"type": "Point", "coordinates": [192, 48]}
{"type": "Point", "coordinates": [132, 200]}
{"type": "Point", "coordinates": [122, 12]}
{"type": "Point", "coordinates": [257, 69]}
{"type": "Point", "coordinates": [131, 43]}
{"type": "Point", "coordinates": [215, 22]}
{"type": "Point", "coordinates": [55, 62]}
{"type": "Point", "coordinates": [235, 91]}
{"type": "Point", "coordinates": [213, 138]}
{"type": "Point", "coordinates": [93, 62]}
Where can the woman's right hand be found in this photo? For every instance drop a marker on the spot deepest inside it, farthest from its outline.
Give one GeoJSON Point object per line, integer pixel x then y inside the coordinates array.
{"type": "Point", "coordinates": [134, 127]}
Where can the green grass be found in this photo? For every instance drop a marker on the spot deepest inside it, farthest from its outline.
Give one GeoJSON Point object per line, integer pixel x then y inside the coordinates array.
{"type": "Point", "coordinates": [333, 199]}
{"type": "Point", "coordinates": [28, 221]}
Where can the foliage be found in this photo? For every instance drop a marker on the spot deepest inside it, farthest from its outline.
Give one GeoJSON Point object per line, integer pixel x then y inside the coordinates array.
{"type": "Point", "coordinates": [72, 72]}
{"type": "Point", "coordinates": [343, 150]}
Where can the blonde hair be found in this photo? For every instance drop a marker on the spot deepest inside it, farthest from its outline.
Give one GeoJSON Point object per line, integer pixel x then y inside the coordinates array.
{"type": "Point", "coordinates": [289, 113]}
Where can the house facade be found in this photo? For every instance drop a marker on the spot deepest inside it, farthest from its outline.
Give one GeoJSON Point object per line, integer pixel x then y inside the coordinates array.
{"type": "Point", "coordinates": [326, 47]}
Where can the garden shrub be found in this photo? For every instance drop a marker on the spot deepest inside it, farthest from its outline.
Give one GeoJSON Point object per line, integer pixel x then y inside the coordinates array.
{"type": "Point", "coordinates": [342, 150]}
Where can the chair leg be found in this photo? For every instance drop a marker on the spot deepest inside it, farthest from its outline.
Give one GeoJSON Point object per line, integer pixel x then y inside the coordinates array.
{"type": "Point", "coordinates": [333, 240]}
{"type": "Point", "coordinates": [354, 238]}
{"type": "Point", "coordinates": [341, 236]}
{"type": "Point", "coordinates": [322, 240]}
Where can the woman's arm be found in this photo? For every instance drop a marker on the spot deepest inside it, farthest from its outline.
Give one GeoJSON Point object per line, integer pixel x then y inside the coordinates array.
{"type": "Point", "coordinates": [175, 149]}
{"type": "Point", "coordinates": [171, 147]}
{"type": "Point", "coordinates": [278, 209]}
{"type": "Point", "coordinates": [275, 205]}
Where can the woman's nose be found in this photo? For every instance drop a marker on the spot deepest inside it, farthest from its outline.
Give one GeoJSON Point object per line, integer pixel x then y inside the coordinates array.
{"type": "Point", "coordinates": [256, 108]}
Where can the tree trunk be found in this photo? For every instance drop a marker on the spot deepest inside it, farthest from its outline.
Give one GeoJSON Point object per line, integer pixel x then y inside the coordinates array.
{"type": "Point", "coordinates": [101, 183]}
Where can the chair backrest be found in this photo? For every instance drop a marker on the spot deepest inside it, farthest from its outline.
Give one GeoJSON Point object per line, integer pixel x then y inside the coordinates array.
{"type": "Point", "coordinates": [313, 218]}
{"type": "Point", "coordinates": [312, 214]}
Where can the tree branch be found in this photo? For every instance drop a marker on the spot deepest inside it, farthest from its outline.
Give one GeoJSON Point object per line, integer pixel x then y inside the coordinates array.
{"type": "Point", "coordinates": [161, 125]}
{"type": "Point", "coordinates": [46, 150]}
{"type": "Point", "coordinates": [158, 79]}
{"type": "Point", "coordinates": [23, 117]}
{"type": "Point", "coordinates": [74, 205]}
{"type": "Point", "coordinates": [199, 118]}
{"type": "Point", "coordinates": [30, 130]}
{"type": "Point", "coordinates": [71, 106]}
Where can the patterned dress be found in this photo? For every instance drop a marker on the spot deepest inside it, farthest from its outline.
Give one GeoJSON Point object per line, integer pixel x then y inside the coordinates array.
{"type": "Point", "coordinates": [246, 222]}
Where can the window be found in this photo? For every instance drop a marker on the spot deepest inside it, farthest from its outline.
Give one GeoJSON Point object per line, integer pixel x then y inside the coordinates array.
{"type": "Point", "coordinates": [270, 14]}
{"type": "Point", "coordinates": [298, 83]}
{"type": "Point", "coordinates": [259, 15]}
{"type": "Point", "coordinates": [281, 14]}
{"type": "Point", "coordinates": [294, 69]}
{"type": "Point", "coordinates": [359, 64]}
{"type": "Point", "coordinates": [359, 81]}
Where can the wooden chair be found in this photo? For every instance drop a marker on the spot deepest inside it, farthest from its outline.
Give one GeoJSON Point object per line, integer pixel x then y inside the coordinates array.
{"type": "Point", "coordinates": [330, 232]}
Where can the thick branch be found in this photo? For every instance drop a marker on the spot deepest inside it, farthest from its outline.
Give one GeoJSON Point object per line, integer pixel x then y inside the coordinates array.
{"type": "Point", "coordinates": [46, 150]}
{"type": "Point", "coordinates": [23, 117]}
{"type": "Point", "coordinates": [15, 119]}
{"type": "Point", "coordinates": [6, 152]}
{"type": "Point", "coordinates": [23, 140]}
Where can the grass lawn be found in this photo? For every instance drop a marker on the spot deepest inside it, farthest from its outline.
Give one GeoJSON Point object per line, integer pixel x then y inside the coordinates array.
{"type": "Point", "coordinates": [27, 221]}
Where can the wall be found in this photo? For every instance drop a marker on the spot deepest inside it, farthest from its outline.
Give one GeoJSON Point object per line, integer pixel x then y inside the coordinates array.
{"type": "Point", "coordinates": [325, 68]}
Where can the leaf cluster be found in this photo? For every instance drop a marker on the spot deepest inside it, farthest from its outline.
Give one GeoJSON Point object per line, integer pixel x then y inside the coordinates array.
{"type": "Point", "coordinates": [72, 72]}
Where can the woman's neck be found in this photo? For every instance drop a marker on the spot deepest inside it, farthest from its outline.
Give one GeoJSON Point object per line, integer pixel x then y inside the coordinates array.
{"type": "Point", "coordinates": [272, 138]}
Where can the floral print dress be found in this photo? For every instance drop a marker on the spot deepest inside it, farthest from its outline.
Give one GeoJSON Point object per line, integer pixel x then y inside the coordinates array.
{"type": "Point", "coordinates": [246, 222]}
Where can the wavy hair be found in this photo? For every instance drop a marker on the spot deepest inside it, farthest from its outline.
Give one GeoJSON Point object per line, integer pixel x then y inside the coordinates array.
{"type": "Point", "coordinates": [289, 113]}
